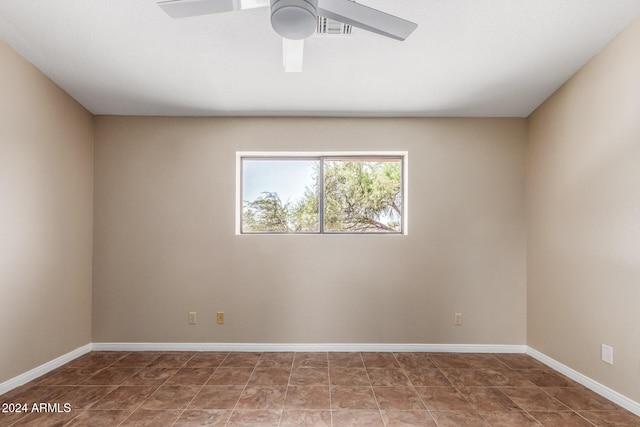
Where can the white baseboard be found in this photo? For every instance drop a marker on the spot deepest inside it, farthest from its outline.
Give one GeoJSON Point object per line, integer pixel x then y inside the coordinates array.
{"type": "Point", "coordinates": [44, 368]}
{"type": "Point", "coordinates": [275, 347]}
{"type": "Point", "coordinates": [595, 386]}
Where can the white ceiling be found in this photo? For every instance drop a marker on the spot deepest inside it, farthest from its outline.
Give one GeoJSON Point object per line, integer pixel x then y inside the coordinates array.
{"type": "Point", "coordinates": [486, 58]}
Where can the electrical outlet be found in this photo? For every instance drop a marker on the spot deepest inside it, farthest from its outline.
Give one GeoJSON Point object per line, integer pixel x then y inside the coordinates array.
{"type": "Point", "coordinates": [457, 319]}
{"type": "Point", "coordinates": [220, 317]}
{"type": "Point", "coordinates": [192, 318]}
{"type": "Point", "coordinates": [607, 354]}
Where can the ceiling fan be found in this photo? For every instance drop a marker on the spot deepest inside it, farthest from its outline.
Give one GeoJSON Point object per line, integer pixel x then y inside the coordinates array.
{"type": "Point", "coordinates": [295, 20]}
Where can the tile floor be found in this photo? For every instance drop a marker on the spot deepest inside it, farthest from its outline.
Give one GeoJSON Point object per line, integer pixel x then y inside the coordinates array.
{"type": "Point", "coordinates": [309, 389]}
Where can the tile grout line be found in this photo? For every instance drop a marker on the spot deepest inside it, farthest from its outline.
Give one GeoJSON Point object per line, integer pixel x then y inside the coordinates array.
{"type": "Point", "coordinates": [329, 381]}
{"type": "Point", "coordinates": [414, 387]}
{"type": "Point", "coordinates": [118, 385]}
{"type": "Point", "coordinates": [286, 391]}
{"type": "Point", "coordinates": [201, 388]}
{"type": "Point", "coordinates": [39, 383]}
{"type": "Point", "coordinates": [527, 412]}
{"type": "Point", "coordinates": [375, 398]}
{"type": "Point", "coordinates": [156, 389]}
{"type": "Point", "coordinates": [568, 407]}
{"type": "Point", "coordinates": [463, 396]}
{"type": "Point", "coordinates": [435, 365]}
{"type": "Point", "coordinates": [508, 397]}
{"type": "Point", "coordinates": [243, 388]}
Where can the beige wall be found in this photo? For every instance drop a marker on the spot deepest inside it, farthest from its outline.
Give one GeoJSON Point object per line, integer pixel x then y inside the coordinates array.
{"type": "Point", "coordinates": [165, 240]}
{"type": "Point", "coordinates": [46, 190]}
{"type": "Point", "coordinates": [584, 219]}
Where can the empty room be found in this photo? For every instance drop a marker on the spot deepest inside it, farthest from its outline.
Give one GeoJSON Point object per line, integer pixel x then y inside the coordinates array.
{"type": "Point", "coordinates": [320, 213]}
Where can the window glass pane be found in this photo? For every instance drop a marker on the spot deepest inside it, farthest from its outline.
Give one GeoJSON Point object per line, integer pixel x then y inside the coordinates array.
{"type": "Point", "coordinates": [363, 195]}
{"type": "Point", "coordinates": [280, 195]}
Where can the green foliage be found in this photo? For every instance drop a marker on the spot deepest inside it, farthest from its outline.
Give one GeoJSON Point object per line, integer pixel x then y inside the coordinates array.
{"type": "Point", "coordinates": [305, 214]}
{"type": "Point", "coordinates": [359, 197]}
{"type": "Point", "coordinates": [266, 214]}
{"type": "Point", "coordinates": [362, 196]}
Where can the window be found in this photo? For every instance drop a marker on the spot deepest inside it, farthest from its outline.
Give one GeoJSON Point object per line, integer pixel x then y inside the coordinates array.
{"type": "Point", "coordinates": [321, 193]}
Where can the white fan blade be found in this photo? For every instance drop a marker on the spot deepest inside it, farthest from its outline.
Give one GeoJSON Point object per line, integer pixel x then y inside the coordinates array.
{"type": "Point", "coordinates": [187, 8]}
{"type": "Point", "coordinates": [292, 55]}
{"type": "Point", "coordinates": [364, 17]}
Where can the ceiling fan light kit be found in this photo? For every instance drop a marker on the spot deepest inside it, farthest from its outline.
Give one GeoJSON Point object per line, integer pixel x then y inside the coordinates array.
{"type": "Point", "coordinates": [296, 20]}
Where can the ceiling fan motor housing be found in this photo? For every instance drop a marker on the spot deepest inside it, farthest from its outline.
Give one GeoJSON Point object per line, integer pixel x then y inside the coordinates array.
{"type": "Point", "coordinates": [294, 19]}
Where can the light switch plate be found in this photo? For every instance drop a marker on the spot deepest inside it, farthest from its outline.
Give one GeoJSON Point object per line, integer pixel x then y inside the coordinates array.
{"type": "Point", "coordinates": [457, 319]}
{"type": "Point", "coordinates": [607, 354]}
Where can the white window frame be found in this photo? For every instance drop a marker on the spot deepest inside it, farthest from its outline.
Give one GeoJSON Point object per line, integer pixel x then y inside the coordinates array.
{"type": "Point", "coordinates": [403, 155]}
